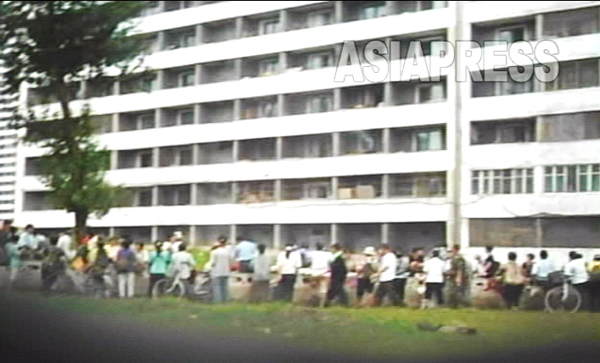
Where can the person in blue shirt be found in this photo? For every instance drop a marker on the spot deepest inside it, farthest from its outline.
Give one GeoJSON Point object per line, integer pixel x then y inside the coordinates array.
{"type": "Point", "coordinates": [15, 263]}
{"type": "Point", "coordinates": [245, 253]}
{"type": "Point", "coordinates": [159, 261]}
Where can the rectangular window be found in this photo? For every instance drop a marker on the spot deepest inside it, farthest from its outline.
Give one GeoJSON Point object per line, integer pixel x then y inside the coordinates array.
{"type": "Point", "coordinates": [187, 79]}
{"type": "Point", "coordinates": [270, 26]}
{"type": "Point", "coordinates": [319, 103]}
{"type": "Point", "coordinates": [268, 67]}
{"type": "Point", "coordinates": [320, 18]}
{"type": "Point", "coordinates": [577, 74]}
{"type": "Point", "coordinates": [373, 11]}
{"type": "Point", "coordinates": [572, 178]}
{"type": "Point", "coordinates": [145, 160]}
{"type": "Point", "coordinates": [186, 117]}
{"type": "Point", "coordinates": [429, 140]}
{"type": "Point", "coordinates": [511, 35]}
{"type": "Point", "coordinates": [146, 122]}
{"type": "Point", "coordinates": [320, 60]}
{"type": "Point", "coordinates": [506, 181]}
{"type": "Point", "coordinates": [430, 93]}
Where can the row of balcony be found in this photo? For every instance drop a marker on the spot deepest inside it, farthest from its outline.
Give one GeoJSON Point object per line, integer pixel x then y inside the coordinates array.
{"type": "Point", "coordinates": [424, 185]}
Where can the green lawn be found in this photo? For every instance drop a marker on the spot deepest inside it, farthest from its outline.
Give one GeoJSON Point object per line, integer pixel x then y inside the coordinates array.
{"type": "Point", "coordinates": [381, 332]}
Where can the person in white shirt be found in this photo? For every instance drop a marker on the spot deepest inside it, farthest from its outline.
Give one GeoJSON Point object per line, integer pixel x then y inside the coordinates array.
{"type": "Point", "coordinates": [386, 275]}
{"type": "Point", "coordinates": [220, 267]}
{"type": "Point", "coordinates": [182, 265]}
{"type": "Point", "coordinates": [261, 276]}
{"type": "Point", "coordinates": [576, 271]}
{"type": "Point", "coordinates": [288, 263]}
{"type": "Point", "coordinates": [434, 281]}
{"type": "Point", "coordinates": [541, 269]}
{"type": "Point", "coordinates": [64, 243]}
{"type": "Point", "coordinates": [319, 267]}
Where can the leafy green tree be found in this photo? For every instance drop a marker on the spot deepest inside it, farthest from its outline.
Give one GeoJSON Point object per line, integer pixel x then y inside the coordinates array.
{"type": "Point", "coordinates": [53, 45]}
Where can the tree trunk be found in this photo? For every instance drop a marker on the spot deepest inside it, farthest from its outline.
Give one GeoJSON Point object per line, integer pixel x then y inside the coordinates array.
{"type": "Point", "coordinates": [81, 216]}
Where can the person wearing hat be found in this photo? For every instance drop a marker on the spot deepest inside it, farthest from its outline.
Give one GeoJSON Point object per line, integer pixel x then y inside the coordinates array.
{"type": "Point", "coordinates": [365, 272]}
{"type": "Point", "coordinates": [158, 261]}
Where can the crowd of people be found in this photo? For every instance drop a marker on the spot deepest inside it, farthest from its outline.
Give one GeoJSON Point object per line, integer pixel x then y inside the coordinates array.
{"type": "Point", "coordinates": [443, 276]}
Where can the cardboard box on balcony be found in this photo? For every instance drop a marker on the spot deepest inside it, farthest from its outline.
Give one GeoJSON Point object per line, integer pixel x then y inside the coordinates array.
{"type": "Point", "coordinates": [346, 193]}
{"type": "Point", "coordinates": [365, 192]}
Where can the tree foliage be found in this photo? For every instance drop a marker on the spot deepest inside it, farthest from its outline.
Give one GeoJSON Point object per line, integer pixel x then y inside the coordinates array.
{"type": "Point", "coordinates": [53, 44]}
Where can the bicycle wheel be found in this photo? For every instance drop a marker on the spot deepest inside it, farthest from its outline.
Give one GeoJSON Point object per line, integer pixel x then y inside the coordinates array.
{"type": "Point", "coordinates": [165, 287]}
{"type": "Point", "coordinates": [558, 301]}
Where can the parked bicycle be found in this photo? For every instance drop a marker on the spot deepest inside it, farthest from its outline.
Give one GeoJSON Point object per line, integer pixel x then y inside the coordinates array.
{"type": "Point", "coordinates": [563, 298]}
{"type": "Point", "coordinates": [175, 287]}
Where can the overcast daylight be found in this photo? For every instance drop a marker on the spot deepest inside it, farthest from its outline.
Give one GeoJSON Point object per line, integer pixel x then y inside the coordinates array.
{"type": "Point", "coordinates": [282, 181]}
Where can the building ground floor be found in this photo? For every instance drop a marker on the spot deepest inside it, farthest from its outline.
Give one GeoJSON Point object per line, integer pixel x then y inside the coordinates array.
{"type": "Point", "coordinates": [531, 234]}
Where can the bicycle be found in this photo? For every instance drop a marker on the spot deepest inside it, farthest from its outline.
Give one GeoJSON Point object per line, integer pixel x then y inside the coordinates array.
{"type": "Point", "coordinates": [564, 298]}
{"type": "Point", "coordinates": [175, 287]}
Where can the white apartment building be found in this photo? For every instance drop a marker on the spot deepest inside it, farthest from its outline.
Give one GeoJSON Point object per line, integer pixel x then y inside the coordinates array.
{"type": "Point", "coordinates": [8, 156]}
{"type": "Point", "coordinates": [243, 131]}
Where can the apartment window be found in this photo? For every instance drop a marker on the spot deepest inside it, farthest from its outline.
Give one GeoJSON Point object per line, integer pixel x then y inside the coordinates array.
{"type": "Point", "coordinates": [176, 156]}
{"type": "Point", "coordinates": [427, 93]}
{"type": "Point", "coordinates": [434, 46]}
{"type": "Point", "coordinates": [361, 142]}
{"type": "Point", "coordinates": [373, 11]}
{"type": "Point", "coordinates": [320, 60]}
{"type": "Point", "coordinates": [268, 67]}
{"type": "Point", "coordinates": [185, 117]}
{"type": "Point", "coordinates": [429, 5]}
{"type": "Point", "coordinates": [256, 192]}
{"type": "Point", "coordinates": [571, 23]}
{"type": "Point", "coordinates": [502, 132]}
{"type": "Point", "coordinates": [306, 189]}
{"type": "Point", "coordinates": [146, 121]}
{"type": "Point", "coordinates": [506, 181]}
{"type": "Point", "coordinates": [270, 26]}
{"type": "Point", "coordinates": [572, 178]}
{"type": "Point", "coordinates": [214, 193]}
{"type": "Point", "coordinates": [143, 197]}
{"type": "Point", "coordinates": [145, 159]}
{"type": "Point", "coordinates": [181, 40]}
{"type": "Point", "coordinates": [174, 195]}
{"type": "Point", "coordinates": [572, 75]}
{"type": "Point", "coordinates": [267, 109]}
{"type": "Point", "coordinates": [320, 18]}
{"type": "Point", "coordinates": [319, 103]}
{"type": "Point", "coordinates": [187, 79]}
{"type": "Point", "coordinates": [511, 34]}
{"type": "Point", "coordinates": [570, 127]}
{"type": "Point", "coordinates": [429, 140]}
{"type": "Point", "coordinates": [418, 185]}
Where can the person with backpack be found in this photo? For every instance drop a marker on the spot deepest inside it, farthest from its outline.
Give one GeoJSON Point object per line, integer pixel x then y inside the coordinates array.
{"type": "Point", "coordinates": [53, 265]}
{"type": "Point", "coordinates": [159, 261]}
{"type": "Point", "coordinates": [125, 266]}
